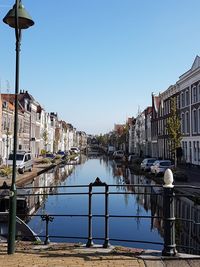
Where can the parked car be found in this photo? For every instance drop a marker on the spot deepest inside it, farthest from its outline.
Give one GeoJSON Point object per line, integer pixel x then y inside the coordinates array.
{"type": "Point", "coordinates": [147, 163]}
{"type": "Point", "coordinates": [152, 168]}
{"type": "Point", "coordinates": [75, 150]}
{"type": "Point", "coordinates": [49, 155]}
{"type": "Point", "coordinates": [24, 161]}
{"type": "Point", "coordinates": [111, 150]}
{"type": "Point", "coordinates": [132, 158]}
{"type": "Point", "coordinates": [119, 154]}
{"type": "Point", "coordinates": [160, 166]}
{"type": "Point", "coordinates": [61, 153]}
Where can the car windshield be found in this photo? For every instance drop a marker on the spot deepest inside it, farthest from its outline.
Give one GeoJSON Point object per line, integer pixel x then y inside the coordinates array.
{"type": "Point", "coordinates": [61, 152]}
{"type": "Point", "coordinates": [165, 163]}
{"type": "Point", "coordinates": [151, 160]}
{"type": "Point", "coordinates": [49, 155]}
{"type": "Point", "coordinates": [18, 157]}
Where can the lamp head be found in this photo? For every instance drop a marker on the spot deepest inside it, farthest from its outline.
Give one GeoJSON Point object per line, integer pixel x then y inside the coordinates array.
{"type": "Point", "coordinates": [24, 19]}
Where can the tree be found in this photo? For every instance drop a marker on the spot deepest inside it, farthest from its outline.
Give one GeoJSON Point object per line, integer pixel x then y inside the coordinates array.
{"type": "Point", "coordinates": [174, 129]}
{"type": "Point", "coordinates": [45, 136]}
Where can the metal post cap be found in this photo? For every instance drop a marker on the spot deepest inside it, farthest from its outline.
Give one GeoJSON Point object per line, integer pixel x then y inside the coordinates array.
{"type": "Point", "coordinates": [168, 179]}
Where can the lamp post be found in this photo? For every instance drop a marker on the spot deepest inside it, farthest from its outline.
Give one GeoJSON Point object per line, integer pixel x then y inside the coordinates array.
{"type": "Point", "coordinates": [19, 19]}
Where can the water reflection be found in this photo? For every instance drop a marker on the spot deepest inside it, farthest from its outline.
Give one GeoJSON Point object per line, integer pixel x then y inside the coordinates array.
{"type": "Point", "coordinates": [139, 201]}
{"type": "Point", "coordinates": [187, 233]}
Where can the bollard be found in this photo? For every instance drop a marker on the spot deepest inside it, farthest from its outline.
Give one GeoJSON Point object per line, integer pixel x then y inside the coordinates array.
{"type": "Point", "coordinates": [168, 215]}
{"type": "Point", "coordinates": [48, 219]}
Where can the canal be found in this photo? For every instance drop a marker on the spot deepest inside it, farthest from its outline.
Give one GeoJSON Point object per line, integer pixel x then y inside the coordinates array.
{"type": "Point", "coordinates": [110, 172]}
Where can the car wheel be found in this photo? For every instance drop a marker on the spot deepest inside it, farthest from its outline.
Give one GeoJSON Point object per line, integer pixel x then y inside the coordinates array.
{"type": "Point", "coordinates": [21, 171]}
{"type": "Point", "coordinates": [31, 168]}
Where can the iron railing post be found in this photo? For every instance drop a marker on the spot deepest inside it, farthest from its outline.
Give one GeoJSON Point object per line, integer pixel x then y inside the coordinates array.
{"type": "Point", "coordinates": [169, 215]}
{"type": "Point", "coordinates": [106, 241]}
{"type": "Point", "coordinates": [47, 218]}
{"type": "Point", "coordinates": [90, 241]}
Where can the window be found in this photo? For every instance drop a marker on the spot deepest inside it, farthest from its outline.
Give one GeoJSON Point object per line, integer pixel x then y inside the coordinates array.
{"type": "Point", "coordinates": [183, 123]}
{"type": "Point", "coordinates": [194, 94]}
{"type": "Point", "coordinates": [187, 122]}
{"type": "Point", "coordinates": [195, 121]}
{"type": "Point", "coordinates": [194, 151]}
{"type": "Point", "coordinates": [186, 151]}
{"type": "Point", "coordinates": [198, 151]}
{"type": "Point", "coordinates": [182, 100]}
{"type": "Point", "coordinates": [199, 120]}
{"type": "Point", "coordinates": [178, 101]}
{"type": "Point", "coordinates": [198, 92]}
{"type": "Point", "coordinates": [4, 124]}
{"type": "Point", "coordinates": [190, 151]}
{"type": "Point", "coordinates": [187, 98]}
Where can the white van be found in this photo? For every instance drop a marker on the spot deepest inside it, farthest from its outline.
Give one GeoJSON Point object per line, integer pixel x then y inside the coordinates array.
{"type": "Point", "coordinates": [24, 161]}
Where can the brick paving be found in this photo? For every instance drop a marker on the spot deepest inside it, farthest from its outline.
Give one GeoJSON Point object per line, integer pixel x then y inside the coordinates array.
{"type": "Point", "coordinates": [57, 255]}
{"type": "Point", "coordinates": [73, 255]}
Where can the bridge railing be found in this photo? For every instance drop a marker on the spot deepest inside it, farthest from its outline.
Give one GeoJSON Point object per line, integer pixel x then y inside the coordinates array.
{"type": "Point", "coordinates": [166, 193]}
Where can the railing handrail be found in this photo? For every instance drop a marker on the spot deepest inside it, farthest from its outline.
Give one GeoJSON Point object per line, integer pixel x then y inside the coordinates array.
{"type": "Point", "coordinates": [168, 195]}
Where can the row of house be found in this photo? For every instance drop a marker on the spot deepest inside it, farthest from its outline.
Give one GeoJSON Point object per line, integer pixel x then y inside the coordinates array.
{"type": "Point", "coordinates": [37, 129]}
{"type": "Point", "coordinates": [147, 132]}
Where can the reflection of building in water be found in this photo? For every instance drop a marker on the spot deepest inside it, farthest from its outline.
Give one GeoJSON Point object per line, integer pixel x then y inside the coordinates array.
{"type": "Point", "coordinates": [187, 233]}
{"type": "Point", "coordinates": [34, 193]}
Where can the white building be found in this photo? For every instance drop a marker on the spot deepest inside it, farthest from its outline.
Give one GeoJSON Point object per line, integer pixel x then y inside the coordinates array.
{"type": "Point", "coordinates": [139, 135]}
{"type": "Point", "coordinates": [189, 89]}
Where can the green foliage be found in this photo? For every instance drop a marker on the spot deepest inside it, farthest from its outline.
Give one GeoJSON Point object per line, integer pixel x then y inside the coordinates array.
{"type": "Point", "coordinates": [102, 139]}
{"type": "Point", "coordinates": [174, 128]}
{"type": "Point", "coordinates": [58, 156]}
{"type": "Point", "coordinates": [5, 171]}
{"type": "Point", "coordinates": [43, 152]}
{"type": "Point", "coordinates": [45, 161]}
{"type": "Point", "coordinates": [45, 136]}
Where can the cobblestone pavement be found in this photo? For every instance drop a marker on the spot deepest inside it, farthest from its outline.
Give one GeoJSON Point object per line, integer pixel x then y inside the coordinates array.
{"type": "Point", "coordinates": [71, 255]}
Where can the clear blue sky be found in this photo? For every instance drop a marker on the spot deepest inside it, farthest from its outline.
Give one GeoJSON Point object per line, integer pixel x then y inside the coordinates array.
{"type": "Point", "coordinates": [95, 61]}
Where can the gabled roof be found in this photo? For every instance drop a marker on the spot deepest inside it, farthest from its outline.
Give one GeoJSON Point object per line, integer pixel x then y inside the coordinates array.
{"type": "Point", "coordinates": [148, 110]}
{"type": "Point", "coordinates": [25, 94]}
{"type": "Point", "coordinates": [156, 102]}
{"type": "Point", "coordinates": [10, 98]}
{"type": "Point", "coordinates": [130, 121]}
{"type": "Point", "coordinates": [196, 63]}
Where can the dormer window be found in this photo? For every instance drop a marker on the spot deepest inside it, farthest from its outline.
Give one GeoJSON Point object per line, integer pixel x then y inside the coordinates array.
{"type": "Point", "coordinates": [5, 104]}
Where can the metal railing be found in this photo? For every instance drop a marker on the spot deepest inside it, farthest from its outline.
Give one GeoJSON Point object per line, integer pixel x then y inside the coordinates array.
{"type": "Point", "coordinates": [167, 193]}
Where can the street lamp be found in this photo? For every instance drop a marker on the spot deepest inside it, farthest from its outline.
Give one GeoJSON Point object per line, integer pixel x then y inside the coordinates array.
{"type": "Point", "coordinates": [19, 19]}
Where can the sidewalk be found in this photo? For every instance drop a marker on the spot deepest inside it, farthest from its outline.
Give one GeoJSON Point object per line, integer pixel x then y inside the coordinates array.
{"type": "Point", "coordinates": [28, 176]}
{"type": "Point", "coordinates": [72, 255]}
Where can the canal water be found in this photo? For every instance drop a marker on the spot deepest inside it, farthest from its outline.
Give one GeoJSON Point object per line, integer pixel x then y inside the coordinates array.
{"type": "Point", "coordinates": [110, 172]}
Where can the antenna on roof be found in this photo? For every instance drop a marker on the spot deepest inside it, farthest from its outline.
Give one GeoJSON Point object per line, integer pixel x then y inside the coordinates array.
{"type": "Point", "coordinates": [7, 86]}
